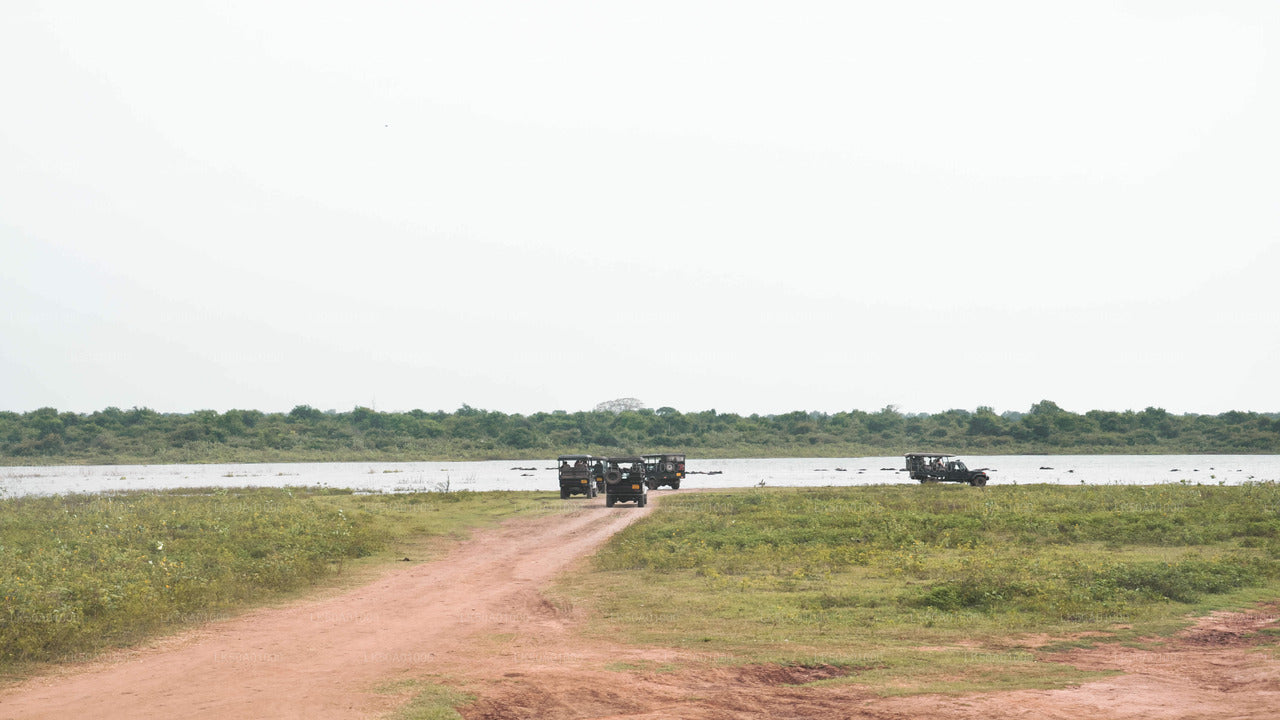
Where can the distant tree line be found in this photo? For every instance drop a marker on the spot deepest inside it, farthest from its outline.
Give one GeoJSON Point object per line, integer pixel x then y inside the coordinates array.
{"type": "Point", "coordinates": [141, 435]}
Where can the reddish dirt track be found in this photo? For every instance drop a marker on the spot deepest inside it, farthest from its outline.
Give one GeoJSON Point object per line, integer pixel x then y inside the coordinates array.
{"type": "Point", "coordinates": [1219, 668]}
{"type": "Point", "coordinates": [476, 619]}
{"type": "Point", "coordinates": [322, 658]}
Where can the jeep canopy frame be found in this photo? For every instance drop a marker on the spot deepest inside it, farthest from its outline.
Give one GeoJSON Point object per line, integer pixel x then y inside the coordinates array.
{"type": "Point", "coordinates": [664, 469]}
{"type": "Point", "coordinates": [919, 464]}
{"type": "Point", "coordinates": [937, 467]}
{"type": "Point", "coordinates": [625, 485]}
{"type": "Point", "coordinates": [575, 475]}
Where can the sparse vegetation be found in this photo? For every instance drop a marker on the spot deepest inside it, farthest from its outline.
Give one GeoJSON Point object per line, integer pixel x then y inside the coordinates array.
{"type": "Point", "coordinates": [425, 700]}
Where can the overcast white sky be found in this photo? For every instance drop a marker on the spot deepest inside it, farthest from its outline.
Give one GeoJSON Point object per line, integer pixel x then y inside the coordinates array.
{"type": "Point", "coordinates": [826, 206]}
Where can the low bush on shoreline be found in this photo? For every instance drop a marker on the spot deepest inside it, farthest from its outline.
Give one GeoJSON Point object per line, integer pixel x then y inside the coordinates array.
{"type": "Point", "coordinates": [79, 573]}
{"type": "Point", "coordinates": [47, 436]}
{"type": "Point", "coordinates": [866, 576]}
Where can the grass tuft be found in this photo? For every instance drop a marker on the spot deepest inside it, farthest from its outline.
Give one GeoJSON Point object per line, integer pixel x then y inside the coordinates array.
{"type": "Point", "coordinates": [426, 701]}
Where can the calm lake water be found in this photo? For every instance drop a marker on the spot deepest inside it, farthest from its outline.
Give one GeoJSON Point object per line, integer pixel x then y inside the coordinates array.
{"type": "Point", "coordinates": [704, 473]}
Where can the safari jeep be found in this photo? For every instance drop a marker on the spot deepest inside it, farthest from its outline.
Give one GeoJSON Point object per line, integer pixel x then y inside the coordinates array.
{"type": "Point", "coordinates": [624, 481]}
{"type": "Point", "coordinates": [935, 467]}
{"type": "Point", "coordinates": [575, 476]}
{"type": "Point", "coordinates": [666, 469]}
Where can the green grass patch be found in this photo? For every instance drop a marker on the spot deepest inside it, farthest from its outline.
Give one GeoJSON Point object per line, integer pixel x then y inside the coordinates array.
{"type": "Point", "coordinates": [642, 666]}
{"type": "Point", "coordinates": [425, 700]}
{"type": "Point", "coordinates": [81, 573]}
{"type": "Point", "coordinates": [919, 588]}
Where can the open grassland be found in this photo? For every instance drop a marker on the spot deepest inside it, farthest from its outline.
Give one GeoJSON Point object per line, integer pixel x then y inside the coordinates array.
{"type": "Point", "coordinates": [931, 588]}
{"type": "Point", "coordinates": [81, 573]}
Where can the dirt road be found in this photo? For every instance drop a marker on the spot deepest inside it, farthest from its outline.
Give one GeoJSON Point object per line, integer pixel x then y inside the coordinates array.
{"type": "Point", "coordinates": [476, 619]}
{"type": "Point", "coordinates": [322, 658]}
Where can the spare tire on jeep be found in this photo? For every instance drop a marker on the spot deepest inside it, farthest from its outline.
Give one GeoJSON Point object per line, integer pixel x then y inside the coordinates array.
{"type": "Point", "coordinates": [663, 469]}
{"type": "Point", "coordinates": [625, 481]}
